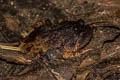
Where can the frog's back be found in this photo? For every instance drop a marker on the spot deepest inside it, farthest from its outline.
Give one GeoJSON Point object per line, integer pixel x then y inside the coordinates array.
{"type": "Point", "coordinates": [70, 35]}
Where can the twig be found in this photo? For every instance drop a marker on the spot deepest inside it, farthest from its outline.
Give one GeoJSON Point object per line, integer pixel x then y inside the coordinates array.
{"type": "Point", "coordinates": [10, 48]}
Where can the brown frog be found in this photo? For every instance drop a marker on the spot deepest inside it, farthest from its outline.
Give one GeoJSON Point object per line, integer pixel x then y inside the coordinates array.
{"type": "Point", "coordinates": [45, 39]}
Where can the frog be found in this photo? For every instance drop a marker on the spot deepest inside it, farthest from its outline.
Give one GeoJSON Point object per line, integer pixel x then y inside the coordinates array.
{"type": "Point", "coordinates": [44, 39]}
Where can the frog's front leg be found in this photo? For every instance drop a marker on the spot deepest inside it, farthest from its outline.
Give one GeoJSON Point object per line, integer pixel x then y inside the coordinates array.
{"type": "Point", "coordinates": [13, 54]}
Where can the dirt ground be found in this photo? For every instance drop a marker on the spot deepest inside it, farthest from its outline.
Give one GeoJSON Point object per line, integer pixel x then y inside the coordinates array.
{"type": "Point", "coordinates": [99, 60]}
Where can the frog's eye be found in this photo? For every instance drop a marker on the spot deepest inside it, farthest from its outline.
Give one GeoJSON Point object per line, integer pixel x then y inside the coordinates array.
{"type": "Point", "coordinates": [80, 22]}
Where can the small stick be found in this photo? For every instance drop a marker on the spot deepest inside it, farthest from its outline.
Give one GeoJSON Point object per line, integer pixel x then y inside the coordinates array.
{"type": "Point", "coordinates": [9, 48]}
